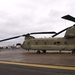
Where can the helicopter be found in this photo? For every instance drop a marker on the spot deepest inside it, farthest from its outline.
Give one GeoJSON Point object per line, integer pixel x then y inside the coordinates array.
{"type": "Point", "coordinates": [54, 43]}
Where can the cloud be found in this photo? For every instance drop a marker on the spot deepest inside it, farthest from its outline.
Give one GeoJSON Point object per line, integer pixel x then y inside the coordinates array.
{"type": "Point", "coordinates": [24, 16]}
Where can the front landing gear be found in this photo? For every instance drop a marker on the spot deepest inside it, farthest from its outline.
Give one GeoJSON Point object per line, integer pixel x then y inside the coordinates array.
{"type": "Point", "coordinates": [73, 51]}
{"type": "Point", "coordinates": [38, 51]}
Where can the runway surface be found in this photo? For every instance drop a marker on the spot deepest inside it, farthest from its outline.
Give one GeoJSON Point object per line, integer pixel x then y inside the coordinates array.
{"type": "Point", "coordinates": [50, 58]}
{"type": "Point", "coordinates": [14, 69]}
{"type": "Point", "coordinates": [21, 62]}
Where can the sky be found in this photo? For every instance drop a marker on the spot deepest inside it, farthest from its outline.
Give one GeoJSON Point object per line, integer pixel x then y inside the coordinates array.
{"type": "Point", "coordinates": [19, 17]}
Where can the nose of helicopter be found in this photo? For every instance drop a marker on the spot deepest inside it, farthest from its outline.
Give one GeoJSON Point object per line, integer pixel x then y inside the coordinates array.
{"type": "Point", "coordinates": [23, 45]}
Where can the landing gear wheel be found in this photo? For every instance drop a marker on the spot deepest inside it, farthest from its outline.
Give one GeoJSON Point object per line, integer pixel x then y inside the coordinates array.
{"type": "Point", "coordinates": [38, 52]}
{"type": "Point", "coordinates": [44, 51]}
{"type": "Point", "coordinates": [73, 51]}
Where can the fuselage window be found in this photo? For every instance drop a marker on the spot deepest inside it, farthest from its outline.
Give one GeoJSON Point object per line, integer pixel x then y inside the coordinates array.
{"type": "Point", "coordinates": [54, 43]}
{"type": "Point", "coordinates": [58, 42]}
{"type": "Point", "coordinates": [45, 43]}
{"type": "Point", "coordinates": [36, 43]}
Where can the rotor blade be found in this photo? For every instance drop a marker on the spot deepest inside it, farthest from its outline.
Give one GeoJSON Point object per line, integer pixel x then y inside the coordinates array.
{"type": "Point", "coordinates": [27, 35]}
{"type": "Point", "coordinates": [68, 17]}
{"type": "Point", "coordinates": [43, 33]}
{"type": "Point", "coordinates": [61, 31]}
{"type": "Point", "coordinates": [10, 38]}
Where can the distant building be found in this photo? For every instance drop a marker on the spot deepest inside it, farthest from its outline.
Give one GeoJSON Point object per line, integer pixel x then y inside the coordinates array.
{"type": "Point", "coordinates": [18, 45]}
{"type": "Point", "coordinates": [1, 47]}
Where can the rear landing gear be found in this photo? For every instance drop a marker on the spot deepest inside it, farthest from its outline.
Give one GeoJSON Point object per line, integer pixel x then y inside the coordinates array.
{"type": "Point", "coordinates": [73, 51]}
{"type": "Point", "coordinates": [44, 51]}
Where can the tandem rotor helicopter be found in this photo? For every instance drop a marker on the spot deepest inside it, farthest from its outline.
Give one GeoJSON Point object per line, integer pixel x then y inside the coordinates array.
{"type": "Point", "coordinates": [42, 44]}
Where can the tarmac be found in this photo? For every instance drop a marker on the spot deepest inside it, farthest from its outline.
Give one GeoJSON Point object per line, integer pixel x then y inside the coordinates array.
{"type": "Point", "coordinates": [31, 57]}
{"type": "Point", "coordinates": [22, 62]}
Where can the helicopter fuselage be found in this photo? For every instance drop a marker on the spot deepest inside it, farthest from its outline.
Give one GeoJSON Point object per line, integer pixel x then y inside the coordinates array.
{"type": "Point", "coordinates": [65, 43]}
{"type": "Point", "coordinates": [49, 44]}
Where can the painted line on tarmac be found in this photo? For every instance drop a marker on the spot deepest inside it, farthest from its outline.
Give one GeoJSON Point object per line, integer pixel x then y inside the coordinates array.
{"type": "Point", "coordinates": [38, 65]}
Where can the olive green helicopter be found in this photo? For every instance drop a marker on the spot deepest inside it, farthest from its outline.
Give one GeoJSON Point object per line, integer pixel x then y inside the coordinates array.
{"type": "Point", "coordinates": [58, 43]}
